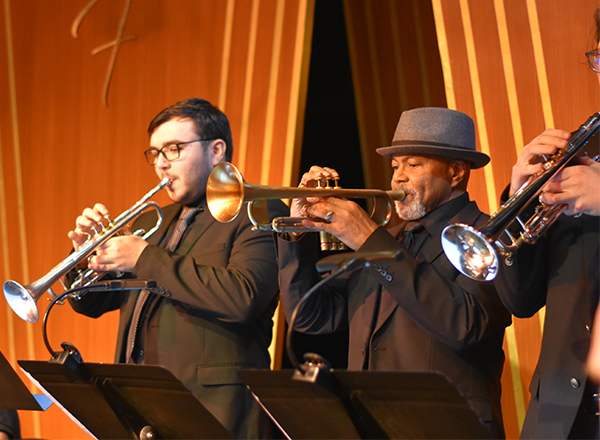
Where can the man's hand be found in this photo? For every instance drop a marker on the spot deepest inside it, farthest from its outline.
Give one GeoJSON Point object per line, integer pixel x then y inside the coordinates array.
{"type": "Point", "coordinates": [578, 186]}
{"type": "Point", "coordinates": [530, 161]}
{"type": "Point", "coordinates": [345, 219]}
{"type": "Point", "coordinates": [310, 179]}
{"type": "Point", "coordinates": [87, 224]}
{"type": "Point", "coordinates": [118, 254]}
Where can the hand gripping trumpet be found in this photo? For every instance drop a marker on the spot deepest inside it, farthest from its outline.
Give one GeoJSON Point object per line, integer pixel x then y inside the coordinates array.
{"type": "Point", "coordinates": [475, 252]}
{"type": "Point", "coordinates": [226, 192]}
{"type": "Point", "coordinates": [23, 299]}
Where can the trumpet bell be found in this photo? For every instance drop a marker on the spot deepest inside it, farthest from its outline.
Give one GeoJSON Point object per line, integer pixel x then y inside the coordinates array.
{"type": "Point", "coordinates": [225, 192]}
{"type": "Point", "coordinates": [21, 301]}
{"type": "Point", "coordinates": [470, 252]}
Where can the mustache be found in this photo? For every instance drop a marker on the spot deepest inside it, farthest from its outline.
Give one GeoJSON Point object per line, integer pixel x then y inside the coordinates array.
{"type": "Point", "coordinates": [407, 191]}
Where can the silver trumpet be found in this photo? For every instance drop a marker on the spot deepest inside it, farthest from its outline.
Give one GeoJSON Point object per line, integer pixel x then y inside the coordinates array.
{"type": "Point", "coordinates": [475, 253]}
{"type": "Point", "coordinates": [226, 192]}
{"type": "Point", "coordinates": [23, 299]}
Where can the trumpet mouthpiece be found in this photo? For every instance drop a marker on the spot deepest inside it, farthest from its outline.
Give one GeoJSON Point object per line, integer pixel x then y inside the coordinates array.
{"type": "Point", "coordinates": [164, 182]}
{"type": "Point", "coordinates": [397, 195]}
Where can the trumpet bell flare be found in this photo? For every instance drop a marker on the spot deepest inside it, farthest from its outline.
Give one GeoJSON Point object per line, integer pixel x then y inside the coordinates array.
{"type": "Point", "coordinates": [470, 252]}
{"type": "Point", "coordinates": [21, 301]}
{"type": "Point", "coordinates": [225, 192]}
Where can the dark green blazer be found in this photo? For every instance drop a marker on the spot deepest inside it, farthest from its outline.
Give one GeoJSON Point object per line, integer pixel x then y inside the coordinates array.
{"type": "Point", "coordinates": [218, 319]}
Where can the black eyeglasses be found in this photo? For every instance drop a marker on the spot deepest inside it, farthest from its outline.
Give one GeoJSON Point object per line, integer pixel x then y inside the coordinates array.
{"type": "Point", "coordinates": [170, 152]}
{"type": "Point", "coordinates": [594, 60]}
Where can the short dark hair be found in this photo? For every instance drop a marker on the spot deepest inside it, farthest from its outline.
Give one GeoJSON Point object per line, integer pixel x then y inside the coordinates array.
{"type": "Point", "coordinates": [210, 122]}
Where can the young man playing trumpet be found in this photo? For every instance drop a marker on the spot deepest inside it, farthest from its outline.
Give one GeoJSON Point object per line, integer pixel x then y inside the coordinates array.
{"type": "Point", "coordinates": [222, 277]}
{"type": "Point", "coordinates": [419, 313]}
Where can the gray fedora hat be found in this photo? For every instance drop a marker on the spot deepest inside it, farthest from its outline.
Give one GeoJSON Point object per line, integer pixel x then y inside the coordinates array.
{"type": "Point", "coordinates": [435, 130]}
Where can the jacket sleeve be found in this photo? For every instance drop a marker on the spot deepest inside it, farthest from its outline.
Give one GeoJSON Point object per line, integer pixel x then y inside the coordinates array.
{"type": "Point", "coordinates": [455, 309]}
{"type": "Point", "coordinates": [231, 279]}
{"type": "Point", "coordinates": [522, 286]}
{"type": "Point", "coordinates": [325, 310]}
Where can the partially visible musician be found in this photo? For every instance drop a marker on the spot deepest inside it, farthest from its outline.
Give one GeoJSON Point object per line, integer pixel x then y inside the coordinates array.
{"type": "Point", "coordinates": [419, 313]}
{"type": "Point", "coordinates": [9, 425]}
{"type": "Point", "coordinates": [222, 277]}
{"type": "Point", "coordinates": [561, 272]}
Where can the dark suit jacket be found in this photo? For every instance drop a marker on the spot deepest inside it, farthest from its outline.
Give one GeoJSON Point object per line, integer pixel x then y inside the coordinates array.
{"type": "Point", "coordinates": [9, 423]}
{"type": "Point", "coordinates": [561, 272]}
{"type": "Point", "coordinates": [218, 319]}
{"type": "Point", "coordinates": [430, 317]}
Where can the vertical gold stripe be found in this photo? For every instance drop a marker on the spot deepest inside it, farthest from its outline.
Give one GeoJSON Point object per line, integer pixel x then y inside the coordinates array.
{"type": "Point", "coordinates": [375, 69]}
{"type": "Point", "coordinates": [268, 144]}
{"type": "Point", "coordinates": [509, 75]}
{"type": "Point", "coordinates": [247, 100]}
{"type": "Point", "coordinates": [358, 96]}
{"type": "Point", "coordinates": [271, 99]}
{"type": "Point", "coordinates": [298, 86]}
{"type": "Point", "coordinates": [515, 372]}
{"type": "Point", "coordinates": [440, 28]}
{"type": "Point", "coordinates": [478, 101]}
{"type": "Point", "coordinates": [540, 63]}
{"type": "Point", "coordinates": [540, 66]}
{"type": "Point", "coordinates": [226, 54]}
{"type": "Point", "coordinates": [511, 89]}
{"type": "Point", "coordinates": [398, 63]}
{"type": "Point", "coordinates": [19, 183]}
{"type": "Point", "coordinates": [274, 339]}
{"type": "Point", "coordinates": [421, 53]}
{"type": "Point", "coordinates": [296, 104]}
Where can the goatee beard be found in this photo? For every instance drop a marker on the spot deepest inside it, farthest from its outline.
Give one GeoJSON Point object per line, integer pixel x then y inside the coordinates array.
{"type": "Point", "coordinates": [414, 210]}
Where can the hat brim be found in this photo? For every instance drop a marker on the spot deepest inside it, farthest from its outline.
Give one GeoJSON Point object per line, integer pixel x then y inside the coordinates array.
{"type": "Point", "coordinates": [477, 158]}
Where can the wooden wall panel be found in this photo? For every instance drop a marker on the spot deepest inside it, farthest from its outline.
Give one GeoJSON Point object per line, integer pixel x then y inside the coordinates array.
{"type": "Point", "coordinates": [517, 67]}
{"type": "Point", "coordinates": [395, 66]}
{"type": "Point", "coordinates": [63, 149]}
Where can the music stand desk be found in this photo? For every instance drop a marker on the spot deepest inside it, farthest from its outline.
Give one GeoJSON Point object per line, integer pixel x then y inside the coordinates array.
{"type": "Point", "coordinates": [365, 404]}
{"type": "Point", "coordinates": [116, 401]}
{"type": "Point", "coordinates": [15, 394]}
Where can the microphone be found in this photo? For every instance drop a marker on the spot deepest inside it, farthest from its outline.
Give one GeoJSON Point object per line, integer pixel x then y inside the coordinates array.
{"type": "Point", "coordinates": [355, 259]}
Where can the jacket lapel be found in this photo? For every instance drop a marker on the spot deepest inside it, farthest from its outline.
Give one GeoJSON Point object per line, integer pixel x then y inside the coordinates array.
{"type": "Point", "coordinates": [170, 212]}
{"type": "Point", "coordinates": [430, 251]}
{"type": "Point", "coordinates": [386, 308]}
{"type": "Point", "coordinates": [202, 223]}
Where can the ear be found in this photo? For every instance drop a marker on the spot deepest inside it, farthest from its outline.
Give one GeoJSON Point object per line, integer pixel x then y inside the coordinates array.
{"type": "Point", "coordinates": [458, 171]}
{"type": "Point", "coordinates": [217, 150]}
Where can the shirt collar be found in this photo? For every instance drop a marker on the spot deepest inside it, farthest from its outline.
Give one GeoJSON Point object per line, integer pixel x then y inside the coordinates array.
{"type": "Point", "coordinates": [435, 221]}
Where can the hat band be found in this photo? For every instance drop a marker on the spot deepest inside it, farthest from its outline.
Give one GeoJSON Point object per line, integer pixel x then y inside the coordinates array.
{"type": "Point", "coordinates": [416, 143]}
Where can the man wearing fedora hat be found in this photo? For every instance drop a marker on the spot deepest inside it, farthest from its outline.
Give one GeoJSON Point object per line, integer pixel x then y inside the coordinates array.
{"type": "Point", "coordinates": [417, 313]}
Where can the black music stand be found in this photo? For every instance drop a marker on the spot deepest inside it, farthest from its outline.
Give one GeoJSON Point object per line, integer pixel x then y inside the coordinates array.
{"type": "Point", "coordinates": [365, 405]}
{"type": "Point", "coordinates": [118, 401]}
{"type": "Point", "coordinates": [14, 393]}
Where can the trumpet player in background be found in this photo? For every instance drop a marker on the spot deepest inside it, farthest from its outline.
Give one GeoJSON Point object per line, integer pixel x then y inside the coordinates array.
{"type": "Point", "coordinates": [561, 272]}
{"type": "Point", "coordinates": [222, 277]}
{"type": "Point", "coordinates": [9, 424]}
{"type": "Point", "coordinates": [418, 313]}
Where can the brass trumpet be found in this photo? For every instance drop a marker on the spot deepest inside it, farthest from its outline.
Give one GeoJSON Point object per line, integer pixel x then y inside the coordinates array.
{"type": "Point", "coordinates": [23, 299]}
{"type": "Point", "coordinates": [475, 252]}
{"type": "Point", "coordinates": [226, 192]}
